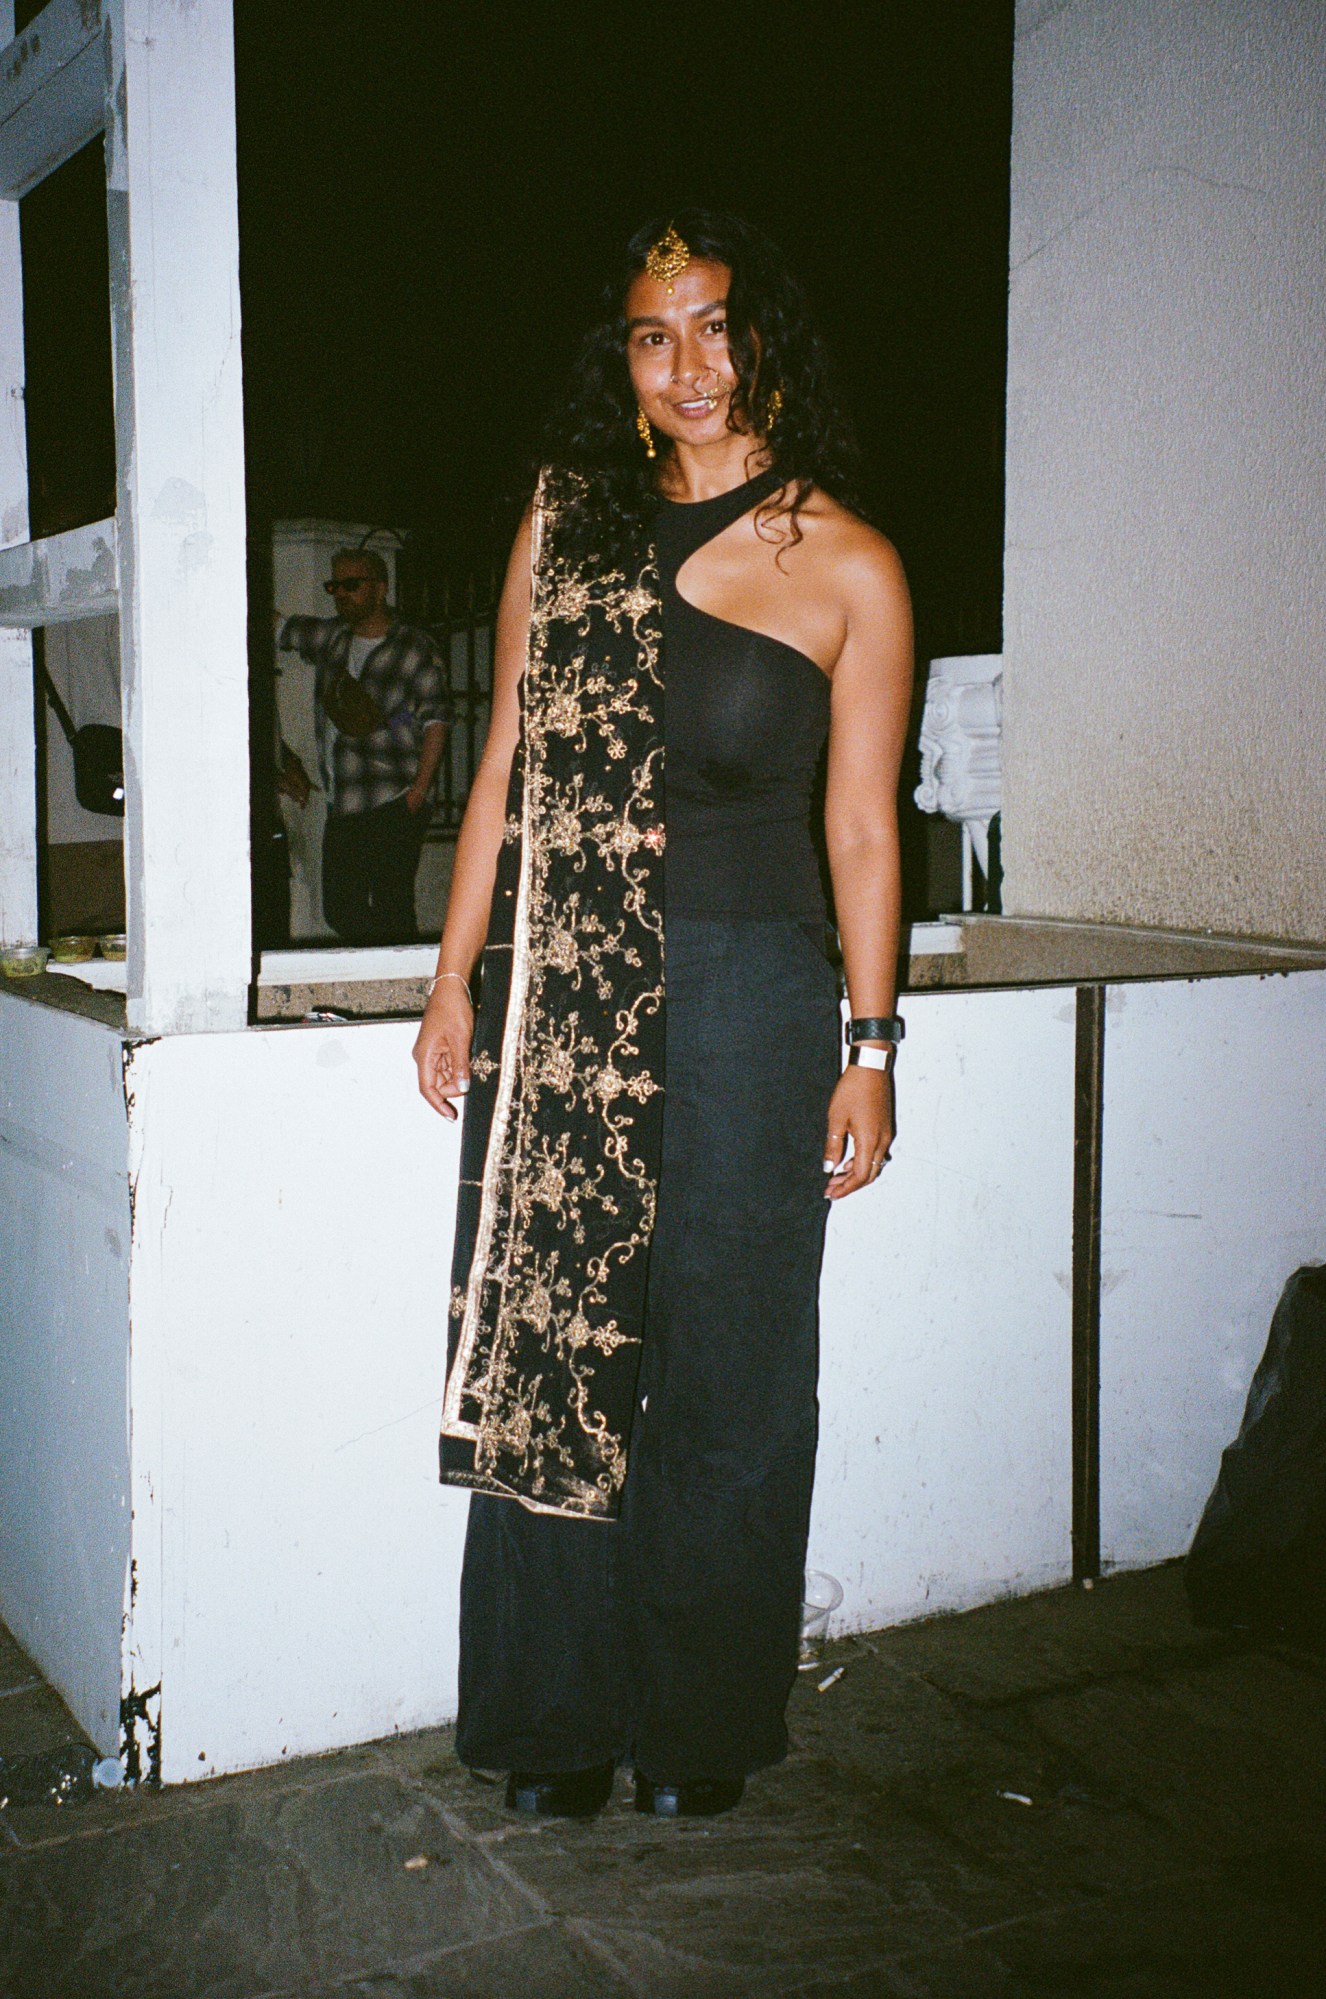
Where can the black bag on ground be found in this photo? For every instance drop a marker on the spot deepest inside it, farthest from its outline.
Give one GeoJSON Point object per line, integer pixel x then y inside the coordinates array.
{"type": "Point", "coordinates": [1258, 1558]}
{"type": "Point", "coordinates": [98, 757]}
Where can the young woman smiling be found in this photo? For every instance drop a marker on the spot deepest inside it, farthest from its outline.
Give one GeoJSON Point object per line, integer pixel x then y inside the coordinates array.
{"type": "Point", "coordinates": [703, 672]}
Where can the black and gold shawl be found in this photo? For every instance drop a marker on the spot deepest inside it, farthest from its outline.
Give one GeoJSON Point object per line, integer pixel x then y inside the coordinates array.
{"type": "Point", "coordinates": [563, 1122]}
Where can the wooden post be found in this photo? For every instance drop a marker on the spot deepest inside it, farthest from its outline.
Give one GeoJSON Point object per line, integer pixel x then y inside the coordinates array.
{"type": "Point", "coordinates": [158, 77]}
{"type": "Point", "coordinates": [174, 260]}
{"type": "Point", "coordinates": [18, 755]}
{"type": "Point", "coordinates": [1088, 1128]}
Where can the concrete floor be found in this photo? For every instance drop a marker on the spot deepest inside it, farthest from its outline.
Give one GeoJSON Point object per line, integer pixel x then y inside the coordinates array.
{"type": "Point", "coordinates": [1072, 1794]}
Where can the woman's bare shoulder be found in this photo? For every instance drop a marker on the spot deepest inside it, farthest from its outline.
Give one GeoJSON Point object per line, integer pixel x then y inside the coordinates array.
{"type": "Point", "coordinates": [862, 560]}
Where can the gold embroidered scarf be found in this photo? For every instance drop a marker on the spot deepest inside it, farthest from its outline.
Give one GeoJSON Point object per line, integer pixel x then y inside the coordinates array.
{"type": "Point", "coordinates": [563, 1122]}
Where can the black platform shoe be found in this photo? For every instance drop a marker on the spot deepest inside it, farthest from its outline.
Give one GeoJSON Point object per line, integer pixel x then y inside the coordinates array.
{"type": "Point", "coordinates": [701, 1798]}
{"type": "Point", "coordinates": [560, 1794]}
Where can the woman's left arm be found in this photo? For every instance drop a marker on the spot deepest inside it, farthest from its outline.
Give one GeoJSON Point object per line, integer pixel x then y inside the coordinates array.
{"type": "Point", "coordinates": [871, 700]}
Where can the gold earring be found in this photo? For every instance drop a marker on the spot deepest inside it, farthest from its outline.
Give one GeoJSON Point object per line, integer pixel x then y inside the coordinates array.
{"type": "Point", "coordinates": [646, 434]}
{"type": "Point", "coordinates": [773, 409]}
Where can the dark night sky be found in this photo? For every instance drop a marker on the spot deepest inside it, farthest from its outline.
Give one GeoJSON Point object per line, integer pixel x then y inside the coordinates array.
{"type": "Point", "coordinates": [429, 194]}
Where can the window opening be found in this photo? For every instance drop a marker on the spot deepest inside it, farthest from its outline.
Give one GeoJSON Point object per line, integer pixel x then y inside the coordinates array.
{"type": "Point", "coordinates": [68, 395]}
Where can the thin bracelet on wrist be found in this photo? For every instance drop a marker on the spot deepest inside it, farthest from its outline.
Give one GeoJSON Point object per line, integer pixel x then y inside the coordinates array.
{"type": "Point", "coordinates": [438, 977]}
{"type": "Point", "coordinates": [859, 1057]}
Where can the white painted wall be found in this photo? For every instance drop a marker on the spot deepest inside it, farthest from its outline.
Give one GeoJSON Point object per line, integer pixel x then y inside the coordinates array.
{"type": "Point", "coordinates": [945, 1468]}
{"type": "Point", "coordinates": [64, 1341]}
{"type": "Point", "coordinates": [1214, 1191]}
{"type": "Point", "coordinates": [298, 1562]}
{"type": "Point", "coordinates": [1165, 621]}
{"type": "Point", "coordinates": [174, 262]}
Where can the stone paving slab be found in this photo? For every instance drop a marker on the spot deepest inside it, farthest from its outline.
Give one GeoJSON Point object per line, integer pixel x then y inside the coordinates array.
{"type": "Point", "coordinates": [543, 1962]}
{"type": "Point", "coordinates": [1172, 1846]}
{"type": "Point", "coordinates": [1126, 1626]}
{"type": "Point", "coordinates": [303, 1888]}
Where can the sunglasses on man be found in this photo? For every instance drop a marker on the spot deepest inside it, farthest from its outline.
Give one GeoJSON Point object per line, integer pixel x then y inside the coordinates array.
{"type": "Point", "coordinates": [346, 583]}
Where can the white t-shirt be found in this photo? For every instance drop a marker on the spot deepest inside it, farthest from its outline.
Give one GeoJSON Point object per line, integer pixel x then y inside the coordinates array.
{"type": "Point", "coordinates": [360, 649]}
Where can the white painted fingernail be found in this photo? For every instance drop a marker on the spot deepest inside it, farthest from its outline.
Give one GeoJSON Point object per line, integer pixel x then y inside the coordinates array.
{"type": "Point", "coordinates": [828, 1166]}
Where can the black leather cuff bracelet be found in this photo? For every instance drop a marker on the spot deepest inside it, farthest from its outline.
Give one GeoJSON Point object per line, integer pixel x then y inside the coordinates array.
{"type": "Point", "coordinates": [876, 1028]}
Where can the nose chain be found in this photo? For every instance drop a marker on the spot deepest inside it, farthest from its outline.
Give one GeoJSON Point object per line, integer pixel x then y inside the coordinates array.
{"type": "Point", "coordinates": [710, 395]}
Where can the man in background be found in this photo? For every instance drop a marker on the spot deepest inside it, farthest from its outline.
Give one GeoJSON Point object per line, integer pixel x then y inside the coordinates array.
{"type": "Point", "coordinates": [381, 711]}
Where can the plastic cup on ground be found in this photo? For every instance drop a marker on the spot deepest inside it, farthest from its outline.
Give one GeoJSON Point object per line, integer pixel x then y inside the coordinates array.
{"type": "Point", "coordinates": [821, 1595]}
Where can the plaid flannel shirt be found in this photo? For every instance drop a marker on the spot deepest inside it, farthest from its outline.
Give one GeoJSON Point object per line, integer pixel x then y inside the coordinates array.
{"type": "Point", "coordinates": [405, 676]}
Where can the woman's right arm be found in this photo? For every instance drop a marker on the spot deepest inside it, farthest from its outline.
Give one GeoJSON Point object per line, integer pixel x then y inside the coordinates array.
{"type": "Point", "coordinates": [442, 1049]}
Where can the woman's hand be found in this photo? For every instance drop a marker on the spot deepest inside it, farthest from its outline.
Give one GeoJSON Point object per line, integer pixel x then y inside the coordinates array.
{"type": "Point", "coordinates": [861, 1108]}
{"type": "Point", "coordinates": [442, 1047]}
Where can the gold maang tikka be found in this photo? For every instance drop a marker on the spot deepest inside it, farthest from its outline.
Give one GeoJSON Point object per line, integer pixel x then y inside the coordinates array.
{"type": "Point", "coordinates": [667, 259]}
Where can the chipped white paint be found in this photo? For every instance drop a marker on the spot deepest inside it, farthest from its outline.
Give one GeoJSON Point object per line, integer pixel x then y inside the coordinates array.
{"type": "Point", "coordinates": [1165, 622]}
{"type": "Point", "coordinates": [297, 1563]}
{"type": "Point", "coordinates": [18, 793]}
{"type": "Point", "coordinates": [64, 1347]}
{"type": "Point", "coordinates": [164, 87]}
{"type": "Point", "coordinates": [174, 255]}
{"type": "Point", "coordinates": [1214, 1191]}
{"type": "Point", "coordinates": [61, 579]}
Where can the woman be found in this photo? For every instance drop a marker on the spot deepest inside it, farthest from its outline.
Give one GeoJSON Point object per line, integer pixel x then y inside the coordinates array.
{"type": "Point", "coordinates": [656, 1117]}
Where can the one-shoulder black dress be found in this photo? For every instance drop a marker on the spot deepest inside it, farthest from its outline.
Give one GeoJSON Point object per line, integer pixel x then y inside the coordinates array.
{"type": "Point", "coordinates": [670, 1636]}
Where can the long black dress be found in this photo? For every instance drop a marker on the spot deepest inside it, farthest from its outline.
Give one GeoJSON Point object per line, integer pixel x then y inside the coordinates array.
{"type": "Point", "coordinates": [670, 1635]}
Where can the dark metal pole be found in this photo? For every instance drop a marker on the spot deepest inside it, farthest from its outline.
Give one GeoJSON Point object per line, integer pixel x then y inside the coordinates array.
{"type": "Point", "coordinates": [1088, 1106]}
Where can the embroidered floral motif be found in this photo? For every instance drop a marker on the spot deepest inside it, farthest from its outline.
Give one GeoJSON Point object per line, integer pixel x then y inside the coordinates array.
{"type": "Point", "coordinates": [541, 1389]}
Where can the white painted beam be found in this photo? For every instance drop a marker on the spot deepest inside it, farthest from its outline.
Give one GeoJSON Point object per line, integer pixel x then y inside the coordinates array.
{"type": "Point", "coordinates": [174, 261]}
{"type": "Point", "coordinates": [52, 91]}
{"type": "Point", "coordinates": [57, 581]}
{"type": "Point", "coordinates": [18, 759]}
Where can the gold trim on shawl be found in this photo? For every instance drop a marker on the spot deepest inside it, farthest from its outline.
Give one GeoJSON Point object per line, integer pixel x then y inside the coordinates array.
{"type": "Point", "coordinates": [550, 1303]}
{"type": "Point", "coordinates": [452, 1422]}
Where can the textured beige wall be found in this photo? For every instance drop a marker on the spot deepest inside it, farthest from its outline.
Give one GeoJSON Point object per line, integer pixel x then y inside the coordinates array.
{"type": "Point", "coordinates": [1165, 583]}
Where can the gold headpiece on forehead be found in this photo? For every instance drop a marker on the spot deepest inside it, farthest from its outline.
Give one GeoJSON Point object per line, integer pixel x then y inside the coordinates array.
{"type": "Point", "coordinates": [668, 258]}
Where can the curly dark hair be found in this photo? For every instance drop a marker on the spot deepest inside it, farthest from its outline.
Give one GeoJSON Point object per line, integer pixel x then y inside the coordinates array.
{"type": "Point", "coordinates": [592, 436]}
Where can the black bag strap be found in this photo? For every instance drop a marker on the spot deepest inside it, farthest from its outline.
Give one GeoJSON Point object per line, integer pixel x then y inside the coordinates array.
{"type": "Point", "coordinates": [62, 715]}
